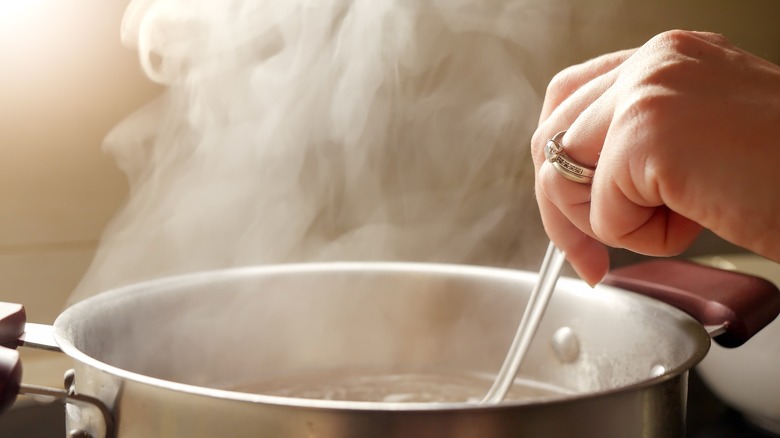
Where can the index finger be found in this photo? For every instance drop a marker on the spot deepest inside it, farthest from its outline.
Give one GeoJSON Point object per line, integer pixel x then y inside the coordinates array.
{"type": "Point", "coordinates": [586, 255]}
{"type": "Point", "coordinates": [570, 79]}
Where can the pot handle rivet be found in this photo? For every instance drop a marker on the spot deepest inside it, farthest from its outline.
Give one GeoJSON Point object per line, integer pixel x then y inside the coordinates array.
{"type": "Point", "coordinates": [566, 345]}
{"type": "Point", "coordinates": [69, 379]}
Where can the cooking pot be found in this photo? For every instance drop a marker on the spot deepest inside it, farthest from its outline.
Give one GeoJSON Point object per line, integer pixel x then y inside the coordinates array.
{"type": "Point", "coordinates": [170, 357]}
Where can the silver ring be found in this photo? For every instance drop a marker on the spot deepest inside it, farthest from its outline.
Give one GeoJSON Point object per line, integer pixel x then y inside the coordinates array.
{"type": "Point", "coordinates": [567, 167]}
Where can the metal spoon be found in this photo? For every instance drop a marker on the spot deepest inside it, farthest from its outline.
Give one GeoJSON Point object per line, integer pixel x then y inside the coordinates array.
{"type": "Point", "coordinates": [540, 297]}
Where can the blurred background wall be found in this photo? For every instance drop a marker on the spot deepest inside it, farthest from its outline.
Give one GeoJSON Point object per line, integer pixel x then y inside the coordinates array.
{"type": "Point", "coordinates": [65, 80]}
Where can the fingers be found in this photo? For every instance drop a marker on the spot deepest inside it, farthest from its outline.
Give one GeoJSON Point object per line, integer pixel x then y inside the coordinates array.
{"type": "Point", "coordinates": [565, 208]}
{"type": "Point", "coordinates": [613, 210]}
{"type": "Point", "coordinates": [571, 79]}
{"type": "Point", "coordinates": [653, 231]}
{"type": "Point", "coordinates": [581, 219]}
{"type": "Point", "coordinates": [583, 142]}
{"type": "Point", "coordinates": [564, 116]}
{"type": "Point", "coordinates": [587, 256]}
{"type": "Point", "coordinates": [571, 199]}
{"type": "Point", "coordinates": [627, 209]}
{"type": "Point", "coordinates": [648, 121]}
{"type": "Point", "coordinates": [565, 205]}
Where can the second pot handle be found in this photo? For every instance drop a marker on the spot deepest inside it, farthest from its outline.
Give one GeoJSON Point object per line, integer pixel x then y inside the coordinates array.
{"type": "Point", "coordinates": [12, 321]}
{"type": "Point", "coordinates": [742, 303]}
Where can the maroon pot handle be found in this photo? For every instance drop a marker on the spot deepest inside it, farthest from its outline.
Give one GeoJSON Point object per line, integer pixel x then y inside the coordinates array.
{"type": "Point", "coordinates": [742, 303]}
{"type": "Point", "coordinates": [12, 320]}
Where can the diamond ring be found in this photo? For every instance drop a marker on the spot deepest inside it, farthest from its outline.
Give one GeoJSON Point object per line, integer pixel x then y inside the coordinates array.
{"type": "Point", "coordinates": [567, 167]}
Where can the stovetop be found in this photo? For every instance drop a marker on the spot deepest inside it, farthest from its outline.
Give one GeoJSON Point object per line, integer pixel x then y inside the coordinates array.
{"type": "Point", "coordinates": [707, 418]}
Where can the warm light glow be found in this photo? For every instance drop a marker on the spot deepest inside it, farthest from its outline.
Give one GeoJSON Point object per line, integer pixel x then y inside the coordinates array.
{"type": "Point", "coordinates": [13, 11]}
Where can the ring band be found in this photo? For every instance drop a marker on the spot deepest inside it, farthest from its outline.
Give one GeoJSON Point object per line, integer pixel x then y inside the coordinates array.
{"type": "Point", "coordinates": [570, 169]}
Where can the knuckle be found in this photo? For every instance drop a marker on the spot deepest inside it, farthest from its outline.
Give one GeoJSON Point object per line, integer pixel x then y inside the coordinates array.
{"type": "Point", "coordinates": [685, 42]}
{"type": "Point", "coordinates": [674, 40]}
{"type": "Point", "coordinates": [639, 110]}
{"type": "Point", "coordinates": [538, 141]}
{"type": "Point", "coordinates": [669, 60]}
{"type": "Point", "coordinates": [537, 135]}
{"type": "Point", "coordinates": [716, 38]}
{"type": "Point", "coordinates": [564, 82]}
{"type": "Point", "coordinates": [536, 144]}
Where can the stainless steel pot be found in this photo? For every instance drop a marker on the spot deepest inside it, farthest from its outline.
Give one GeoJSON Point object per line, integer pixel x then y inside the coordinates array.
{"type": "Point", "coordinates": [159, 357]}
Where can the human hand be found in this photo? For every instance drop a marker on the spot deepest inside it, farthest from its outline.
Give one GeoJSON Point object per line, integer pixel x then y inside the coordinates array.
{"type": "Point", "coordinates": [686, 133]}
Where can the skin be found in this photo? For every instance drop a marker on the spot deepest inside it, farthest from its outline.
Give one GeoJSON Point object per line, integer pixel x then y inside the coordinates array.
{"type": "Point", "coordinates": [684, 133]}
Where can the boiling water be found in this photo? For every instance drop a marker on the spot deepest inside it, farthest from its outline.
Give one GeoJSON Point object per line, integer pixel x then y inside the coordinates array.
{"type": "Point", "coordinates": [438, 387]}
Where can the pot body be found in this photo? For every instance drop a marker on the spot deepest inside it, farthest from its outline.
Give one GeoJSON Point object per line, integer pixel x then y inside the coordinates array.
{"type": "Point", "coordinates": [169, 358]}
{"type": "Point", "coordinates": [153, 411]}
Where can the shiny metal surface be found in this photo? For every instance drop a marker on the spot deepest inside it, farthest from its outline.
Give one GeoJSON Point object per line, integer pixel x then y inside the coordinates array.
{"type": "Point", "coordinates": [532, 316]}
{"type": "Point", "coordinates": [72, 397]}
{"type": "Point", "coordinates": [159, 354]}
{"type": "Point", "coordinates": [40, 336]}
{"type": "Point", "coordinates": [566, 167]}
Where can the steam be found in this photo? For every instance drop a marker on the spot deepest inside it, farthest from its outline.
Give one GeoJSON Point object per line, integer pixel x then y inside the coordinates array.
{"type": "Point", "coordinates": [295, 130]}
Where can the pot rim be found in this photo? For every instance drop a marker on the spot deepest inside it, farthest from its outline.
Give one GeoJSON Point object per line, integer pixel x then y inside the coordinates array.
{"type": "Point", "coordinates": [63, 323]}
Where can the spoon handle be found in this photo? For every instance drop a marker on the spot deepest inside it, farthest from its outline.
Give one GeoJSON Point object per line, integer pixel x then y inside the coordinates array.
{"type": "Point", "coordinates": [540, 297]}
